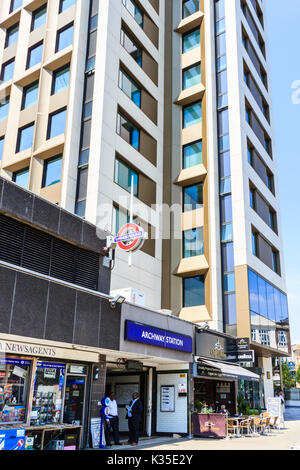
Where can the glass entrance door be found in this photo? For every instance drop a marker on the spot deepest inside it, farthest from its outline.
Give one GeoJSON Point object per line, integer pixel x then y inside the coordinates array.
{"type": "Point", "coordinates": [74, 400]}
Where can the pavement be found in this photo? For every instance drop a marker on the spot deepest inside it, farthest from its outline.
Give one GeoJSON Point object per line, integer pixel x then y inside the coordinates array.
{"type": "Point", "coordinates": [287, 438]}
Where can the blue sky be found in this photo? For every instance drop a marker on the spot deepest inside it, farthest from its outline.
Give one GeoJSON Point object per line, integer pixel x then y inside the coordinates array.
{"type": "Point", "coordinates": [283, 28]}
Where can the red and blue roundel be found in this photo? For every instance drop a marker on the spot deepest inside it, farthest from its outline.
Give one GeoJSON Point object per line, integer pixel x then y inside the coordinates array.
{"type": "Point", "coordinates": [130, 237]}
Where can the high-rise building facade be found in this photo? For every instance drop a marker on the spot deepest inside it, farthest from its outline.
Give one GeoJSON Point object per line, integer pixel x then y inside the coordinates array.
{"type": "Point", "coordinates": [172, 96]}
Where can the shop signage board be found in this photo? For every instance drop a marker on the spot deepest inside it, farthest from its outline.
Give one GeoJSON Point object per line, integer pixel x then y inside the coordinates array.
{"type": "Point", "coordinates": [49, 352]}
{"type": "Point", "coordinates": [246, 356]}
{"type": "Point", "coordinates": [243, 344]}
{"type": "Point", "coordinates": [216, 346]}
{"type": "Point", "coordinates": [146, 334]}
{"type": "Point", "coordinates": [275, 408]}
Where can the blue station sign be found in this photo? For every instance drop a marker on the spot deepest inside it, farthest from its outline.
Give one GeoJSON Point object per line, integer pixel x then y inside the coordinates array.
{"type": "Point", "coordinates": [146, 334]}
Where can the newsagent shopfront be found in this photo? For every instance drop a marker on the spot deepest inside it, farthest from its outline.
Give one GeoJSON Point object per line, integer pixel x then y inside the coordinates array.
{"type": "Point", "coordinates": [43, 395]}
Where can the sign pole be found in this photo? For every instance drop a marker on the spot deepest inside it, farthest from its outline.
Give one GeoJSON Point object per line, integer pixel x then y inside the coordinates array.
{"type": "Point", "coordinates": [131, 218]}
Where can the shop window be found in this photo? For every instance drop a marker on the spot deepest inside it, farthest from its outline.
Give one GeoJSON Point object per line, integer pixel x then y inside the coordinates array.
{"type": "Point", "coordinates": [14, 387]}
{"type": "Point", "coordinates": [48, 394]}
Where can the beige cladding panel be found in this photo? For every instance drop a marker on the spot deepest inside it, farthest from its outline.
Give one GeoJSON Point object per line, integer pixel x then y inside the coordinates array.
{"type": "Point", "coordinates": [242, 302]}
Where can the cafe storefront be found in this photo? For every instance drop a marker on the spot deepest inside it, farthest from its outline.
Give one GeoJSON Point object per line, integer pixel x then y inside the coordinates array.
{"type": "Point", "coordinates": [43, 395]}
{"type": "Point", "coordinates": [217, 372]}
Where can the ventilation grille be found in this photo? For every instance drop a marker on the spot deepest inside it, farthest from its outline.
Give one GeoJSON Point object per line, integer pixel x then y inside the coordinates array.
{"type": "Point", "coordinates": [37, 251]}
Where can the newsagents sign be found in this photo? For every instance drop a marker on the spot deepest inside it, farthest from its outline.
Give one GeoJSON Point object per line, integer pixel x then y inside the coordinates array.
{"type": "Point", "coordinates": [146, 334]}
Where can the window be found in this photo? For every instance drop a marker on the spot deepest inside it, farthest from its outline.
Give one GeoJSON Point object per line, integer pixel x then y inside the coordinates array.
{"type": "Point", "coordinates": [8, 70]}
{"type": "Point", "coordinates": [282, 338]}
{"type": "Point", "coordinates": [128, 131]}
{"type": "Point", "coordinates": [61, 78]}
{"type": "Point", "coordinates": [57, 123]}
{"type": "Point", "coordinates": [4, 106]}
{"type": "Point", "coordinates": [193, 244]}
{"type": "Point", "coordinates": [14, 5]}
{"type": "Point", "coordinates": [50, 377]}
{"type": "Point", "coordinates": [14, 384]}
{"type": "Point", "coordinates": [21, 177]}
{"type": "Point", "coordinates": [254, 243]}
{"type": "Point", "coordinates": [25, 138]}
{"type": "Point", "coordinates": [191, 76]}
{"type": "Point", "coordinates": [275, 261]}
{"type": "Point", "coordinates": [39, 17]}
{"type": "Point", "coordinates": [229, 282]}
{"type": "Point", "coordinates": [192, 114]}
{"type": "Point", "coordinates": [252, 198]}
{"type": "Point", "coordinates": [52, 171]}
{"type": "Point", "coordinates": [82, 182]}
{"type": "Point", "coordinates": [264, 337]}
{"type": "Point", "coordinates": [226, 233]}
{"type": "Point", "coordinates": [193, 291]}
{"type": "Point", "coordinates": [1, 147]}
{"type": "Point", "coordinates": [133, 9]}
{"type": "Point", "coordinates": [129, 86]}
{"type": "Point", "coordinates": [65, 4]}
{"type": "Point", "coordinates": [131, 47]}
{"type": "Point", "coordinates": [190, 40]}
{"type": "Point", "coordinates": [30, 95]}
{"type": "Point", "coordinates": [64, 38]}
{"type": "Point", "coordinates": [192, 154]}
{"type": "Point", "coordinates": [189, 7]}
{"type": "Point", "coordinates": [193, 197]}
{"type": "Point", "coordinates": [124, 175]}
{"type": "Point", "coordinates": [12, 35]}
{"type": "Point", "coordinates": [35, 54]}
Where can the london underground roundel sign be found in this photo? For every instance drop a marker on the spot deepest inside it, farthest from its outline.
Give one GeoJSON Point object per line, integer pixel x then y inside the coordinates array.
{"type": "Point", "coordinates": [130, 237]}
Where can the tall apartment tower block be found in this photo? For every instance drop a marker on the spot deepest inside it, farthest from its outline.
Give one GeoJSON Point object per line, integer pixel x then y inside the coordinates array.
{"type": "Point", "coordinates": [174, 96]}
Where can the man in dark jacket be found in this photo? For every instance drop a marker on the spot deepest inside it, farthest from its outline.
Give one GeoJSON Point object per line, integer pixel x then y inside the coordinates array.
{"type": "Point", "coordinates": [134, 417]}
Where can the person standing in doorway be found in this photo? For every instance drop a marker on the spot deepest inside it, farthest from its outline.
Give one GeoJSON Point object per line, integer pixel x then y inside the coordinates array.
{"type": "Point", "coordinates": [134, 417]}
{"type": "Point", "coordinates": [113, 420]}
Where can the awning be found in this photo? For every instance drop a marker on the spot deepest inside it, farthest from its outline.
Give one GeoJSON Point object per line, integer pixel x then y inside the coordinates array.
{"type": "Point", "coordinates": [232, 371]}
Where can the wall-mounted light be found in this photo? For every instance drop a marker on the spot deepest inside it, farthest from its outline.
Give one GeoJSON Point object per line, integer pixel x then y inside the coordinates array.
{"type": "Point", "coordinates": [118, 299]}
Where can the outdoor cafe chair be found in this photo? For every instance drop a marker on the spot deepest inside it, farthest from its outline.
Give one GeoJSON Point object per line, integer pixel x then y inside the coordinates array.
{"type": "Point", "coordinates": [265, 424]}
{"type": "Point", "coordinates": [233, 427]}
{"type": "Point", "coordinates": [256, 424]}
{"type": "Point", "coordinates": [247, 424]}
